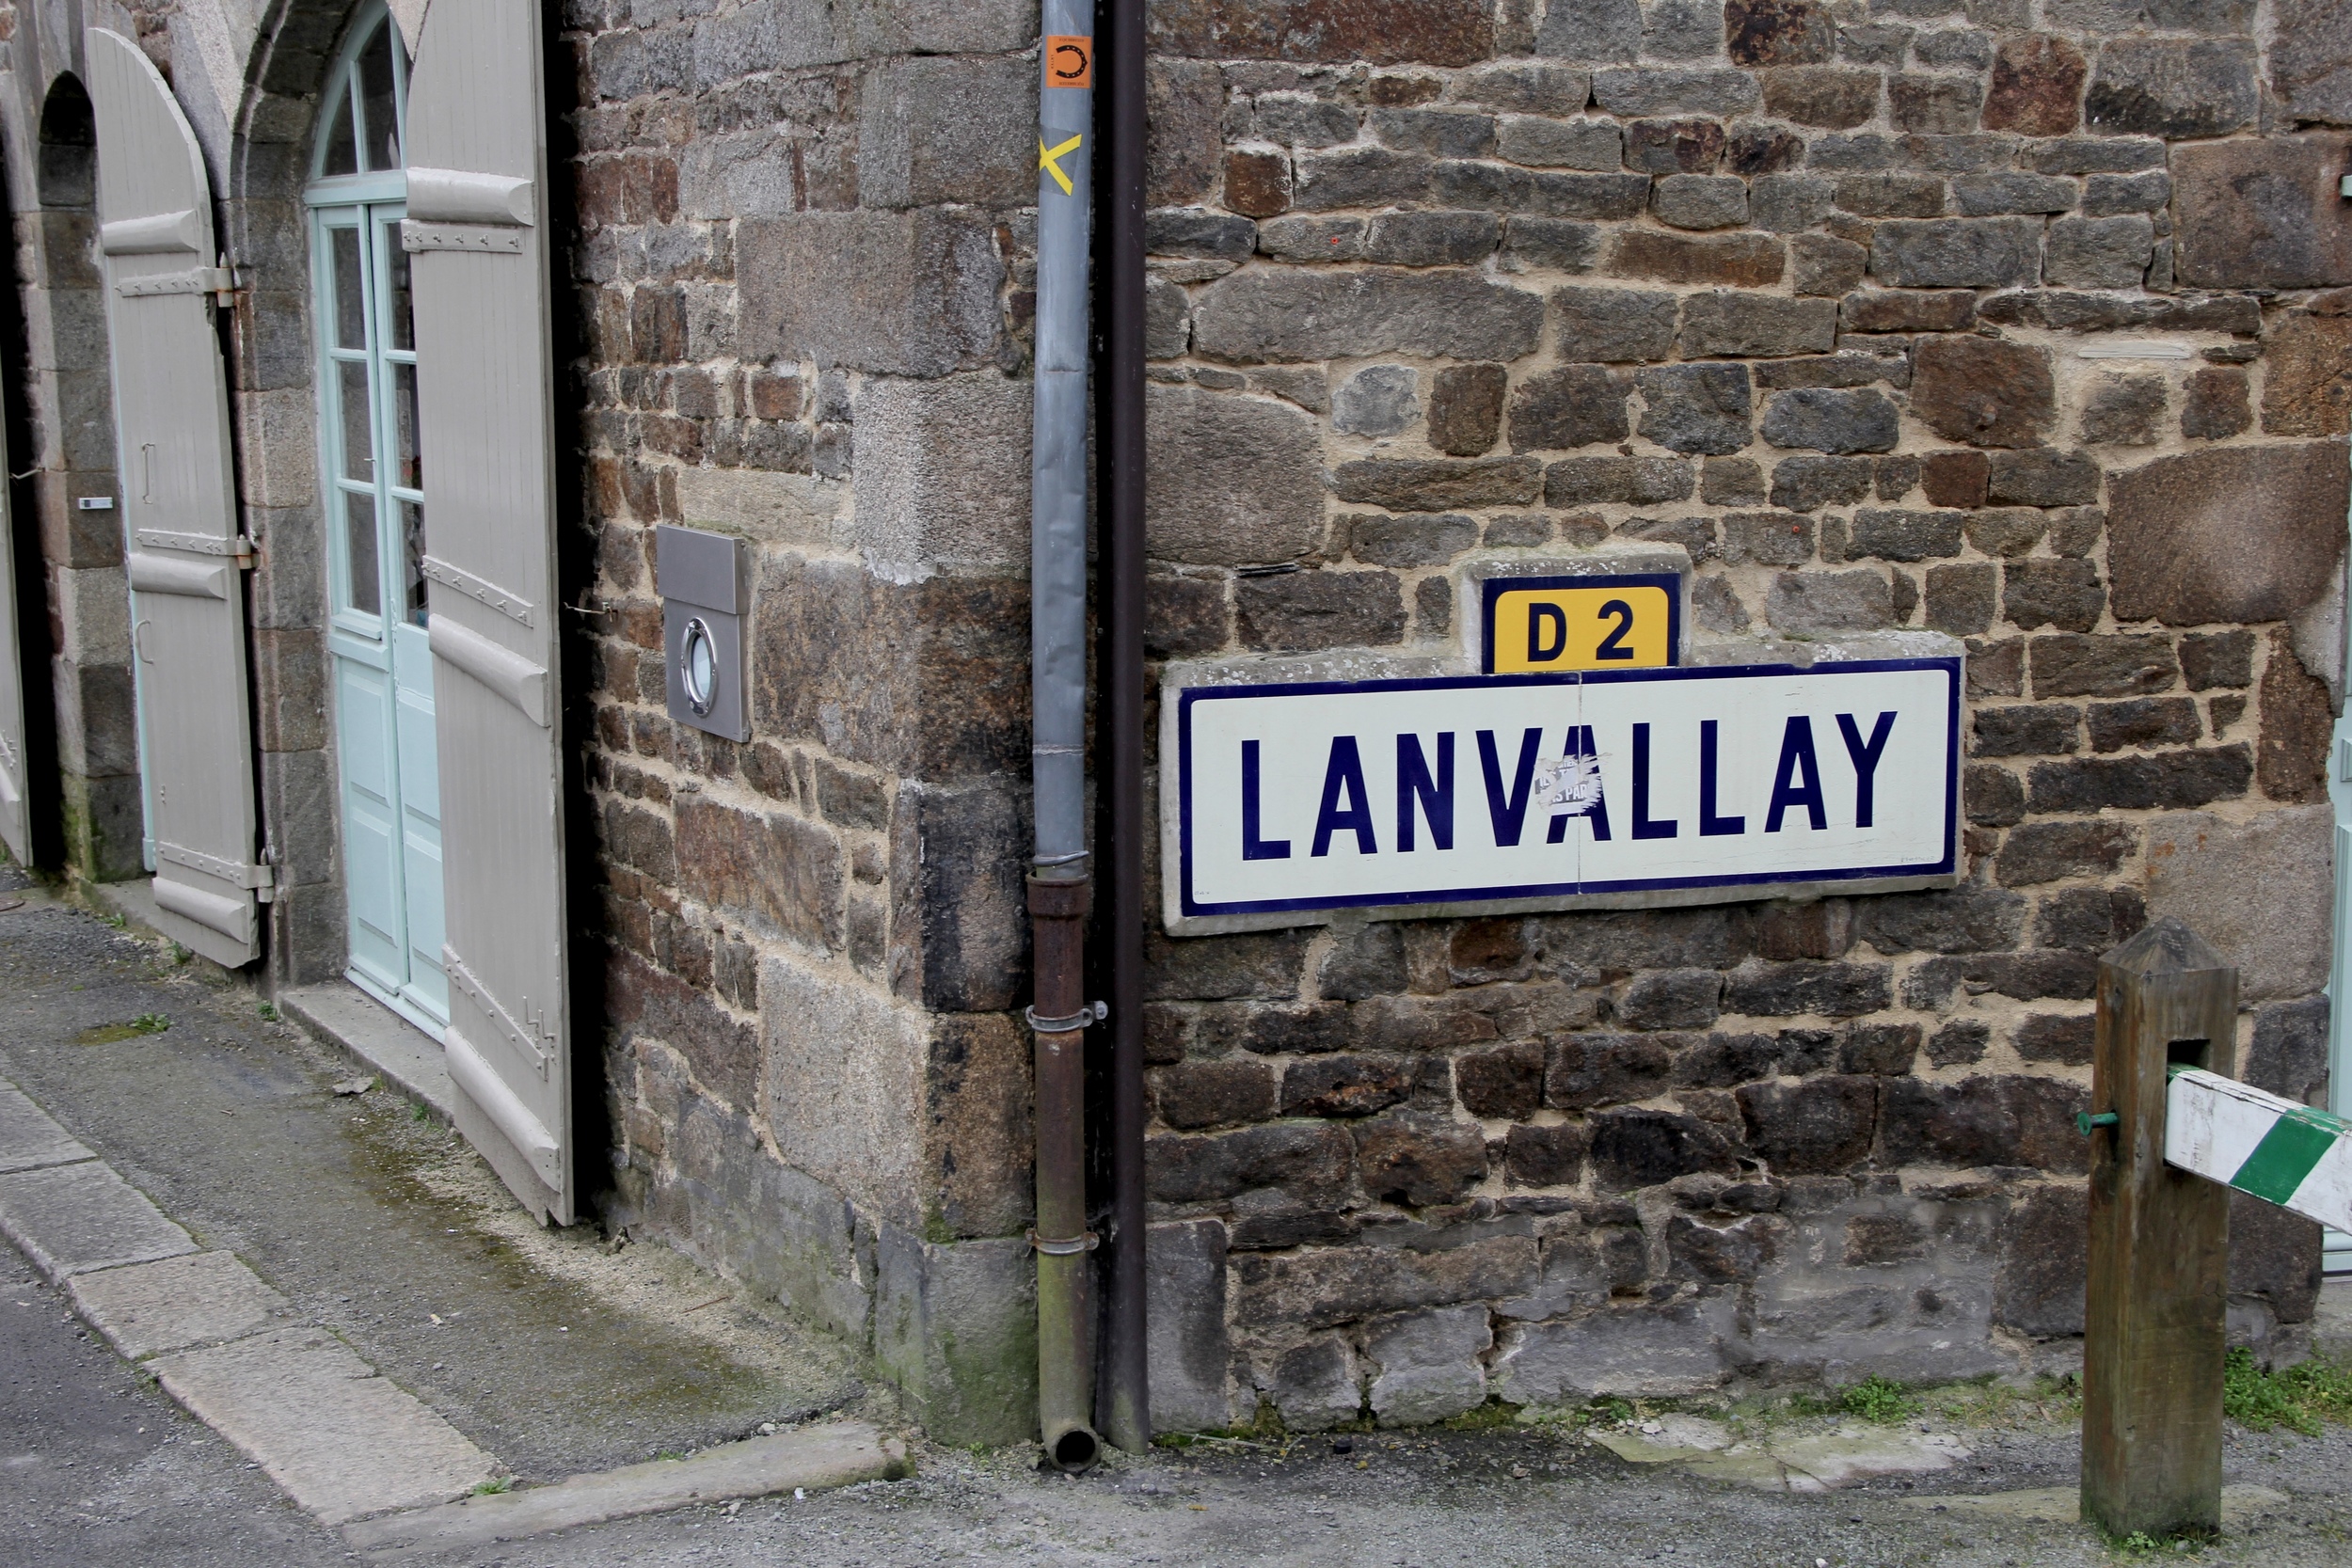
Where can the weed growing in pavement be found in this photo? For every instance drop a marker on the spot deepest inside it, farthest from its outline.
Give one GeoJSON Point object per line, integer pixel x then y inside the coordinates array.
{"type": "Point", "coordinates": [494, 1485]}
{"type": "Point", "coordinates": [1876, 1399]}
{"type": "Point", "coordinates": [1486, 1417]}
{"type": "Point", "coordinates": [2139, 1545]}
{"type": "Point", "coordinates": [2300, 1397]}
{"type": "Point", "coordinates": [107, 1033]}
{"type": "Point", "coordinates": [268, 1011]}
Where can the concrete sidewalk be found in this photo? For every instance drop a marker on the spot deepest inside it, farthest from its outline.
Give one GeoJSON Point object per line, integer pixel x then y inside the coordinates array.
{"type": "Point", "coordinates": [342, 1290]}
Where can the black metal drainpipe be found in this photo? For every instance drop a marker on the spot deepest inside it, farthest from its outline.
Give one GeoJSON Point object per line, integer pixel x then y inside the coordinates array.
{"type": "Point", "coordinates": [1123, 1412]}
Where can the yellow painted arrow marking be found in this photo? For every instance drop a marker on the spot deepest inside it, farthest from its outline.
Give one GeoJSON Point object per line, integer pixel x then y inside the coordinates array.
{"type": "Point", "coordinates": [1045, 160]}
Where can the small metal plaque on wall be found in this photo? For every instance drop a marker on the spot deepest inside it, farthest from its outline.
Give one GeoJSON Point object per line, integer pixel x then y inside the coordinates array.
{"type": "Point", "coordinates": [700, 577]}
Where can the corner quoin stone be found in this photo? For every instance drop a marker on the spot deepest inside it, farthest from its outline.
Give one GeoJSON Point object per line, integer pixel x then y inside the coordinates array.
{"type": "Point", "coordinates": [2179, 548]}
{"type": "Point", "coordinates": [890, 293]}
{"type": "Point", "coordinates": [2263, 214]}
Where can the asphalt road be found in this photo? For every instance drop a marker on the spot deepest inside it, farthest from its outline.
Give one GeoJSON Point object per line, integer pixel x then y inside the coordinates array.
{"type": "Point", "coordinates": [98, 1467]}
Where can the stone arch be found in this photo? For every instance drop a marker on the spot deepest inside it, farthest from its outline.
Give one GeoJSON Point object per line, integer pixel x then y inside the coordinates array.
{"type": "Point", "coordinates": [67, 390]}
{"type": "Point", "coordinates": [65, 172]}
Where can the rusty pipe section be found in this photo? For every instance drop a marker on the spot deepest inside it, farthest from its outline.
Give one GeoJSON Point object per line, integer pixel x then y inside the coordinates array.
{"type": "Point", "coordinates": [1060, 883]}
{"type": "Point", "coordinates": [1065, 1273]}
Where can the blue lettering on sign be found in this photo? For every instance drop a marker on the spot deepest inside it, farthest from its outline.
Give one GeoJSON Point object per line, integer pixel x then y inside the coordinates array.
{"type": "Point", "coordinates": [1643, 826]}
{"type": "Point", "coordinates": [1865, 762]}
{"type": "Point", "coordinates": [1509, 812]}
{"type": "Point", "coordinates": [1424, 794]}
{"type": "Point", "coordinates": [1436, 796]}
{"type": "Point", "coordinates": [1345, 775]}
{"type": "Point", "coordinates": [1710, 824]}
{"type": "Point", "coordinates": [1254, 847]}
{"type": "Point", "coordinates": [1796, 757]}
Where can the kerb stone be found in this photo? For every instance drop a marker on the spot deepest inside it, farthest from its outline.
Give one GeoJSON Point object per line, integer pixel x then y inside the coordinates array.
{"type": "Point", "coordinates": [1652, 1352]}
{"type": "Point", "coordinates": [202, 1298]}
{"type": "Point", "coordinates": [1190, 1363]}
{"type": "Point", "coordinates": [70, 1219]}
{"type": "Point", "coordinates": [28, 1140]}
{"type": "Point", "coordinates": [342, 1441]}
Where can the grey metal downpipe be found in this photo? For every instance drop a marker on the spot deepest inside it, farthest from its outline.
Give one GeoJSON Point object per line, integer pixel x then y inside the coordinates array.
{"type": "Point", "coordinates": [1059, 883]}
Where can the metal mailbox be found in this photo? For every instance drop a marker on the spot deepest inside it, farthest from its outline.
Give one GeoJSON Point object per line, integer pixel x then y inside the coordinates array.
{"type": "Point", "coordinates": [705, 596]}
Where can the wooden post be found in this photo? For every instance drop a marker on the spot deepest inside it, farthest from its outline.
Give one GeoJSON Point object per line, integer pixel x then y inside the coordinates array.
{"type": "Point", "coordinates": [2153, 1338]}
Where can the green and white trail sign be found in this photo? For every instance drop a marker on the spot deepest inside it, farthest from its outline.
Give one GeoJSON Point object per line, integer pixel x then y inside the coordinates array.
{"type": "Point", "coordinates": [2282, 1153]}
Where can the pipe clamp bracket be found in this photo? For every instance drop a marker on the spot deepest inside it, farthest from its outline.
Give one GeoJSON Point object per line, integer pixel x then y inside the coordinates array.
{"type": "Point", "coordinates": [1093, 1012]}
{"type": "Point", "coordinates": [1069, 1248]}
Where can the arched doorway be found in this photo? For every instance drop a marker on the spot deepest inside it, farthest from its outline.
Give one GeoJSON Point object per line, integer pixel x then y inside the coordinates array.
{"type": "Point", "coordinates": [372, 491]}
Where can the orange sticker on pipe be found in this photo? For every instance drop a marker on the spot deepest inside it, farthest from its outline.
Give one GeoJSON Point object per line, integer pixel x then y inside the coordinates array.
{"type": "Point", "coordinates": [1068, 60]}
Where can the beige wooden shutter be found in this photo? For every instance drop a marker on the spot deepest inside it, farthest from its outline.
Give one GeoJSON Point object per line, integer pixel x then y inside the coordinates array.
{"type": "Point", "coordinates": [479, 250]}
{"type": "Point", "coordinates": [14, 832]}
{"type": "Point", "coordinates": [178, 504]}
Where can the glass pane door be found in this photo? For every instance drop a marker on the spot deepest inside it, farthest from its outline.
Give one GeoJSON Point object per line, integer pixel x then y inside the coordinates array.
{"type": "Point", "coordinates": [373, 496]}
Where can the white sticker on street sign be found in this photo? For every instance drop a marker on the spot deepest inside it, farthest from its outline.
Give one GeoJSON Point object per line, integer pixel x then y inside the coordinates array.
{"type": "Point", "coordinates": [1453, 790]}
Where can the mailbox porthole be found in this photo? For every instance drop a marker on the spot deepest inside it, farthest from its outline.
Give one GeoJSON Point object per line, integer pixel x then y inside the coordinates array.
{"type": "Point", "coordinates": [704, 602]}
{"type": "Point", "coordinates": [700, 670]}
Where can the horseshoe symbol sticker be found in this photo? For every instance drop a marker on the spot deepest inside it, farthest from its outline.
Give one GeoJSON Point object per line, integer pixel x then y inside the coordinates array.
{"type": "Point", "coordinates": [1068, 60]}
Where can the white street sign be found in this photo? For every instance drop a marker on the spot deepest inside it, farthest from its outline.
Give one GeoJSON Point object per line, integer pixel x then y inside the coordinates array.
{"type": "Point", "coordinates": [1321, 796]}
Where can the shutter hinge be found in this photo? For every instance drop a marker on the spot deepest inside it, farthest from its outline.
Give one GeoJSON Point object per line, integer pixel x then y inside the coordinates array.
{"type": "Point", "coordinates": [222, 279]}
{"type": "Point", "coordinates": [259, 879]}
{"type": "Point", "coordinates": [238, 548]}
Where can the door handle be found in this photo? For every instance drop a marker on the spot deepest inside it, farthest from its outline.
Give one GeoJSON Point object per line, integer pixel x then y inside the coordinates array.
{"type": "Point", "coordinates": [138, 647]}
{"type": "Point", "coordinates": [146, 472]}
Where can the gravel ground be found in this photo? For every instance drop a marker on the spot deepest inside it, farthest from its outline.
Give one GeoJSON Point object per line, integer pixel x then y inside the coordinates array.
{"type": "Point", "coordinates": [1504, 1499]}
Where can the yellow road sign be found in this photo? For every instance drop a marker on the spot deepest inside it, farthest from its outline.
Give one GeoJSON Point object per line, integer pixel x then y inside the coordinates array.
{"type": "Point", "coordinates": [1581, 623]}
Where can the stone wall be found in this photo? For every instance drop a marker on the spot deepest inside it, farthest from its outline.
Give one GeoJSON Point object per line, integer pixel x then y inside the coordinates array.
{"type": "Point", "coordinates": [1832, 299]}
{"type": "Point", "coordinates": [798, 293]}
{"type": "Point", "coordinates": [1802, 290]}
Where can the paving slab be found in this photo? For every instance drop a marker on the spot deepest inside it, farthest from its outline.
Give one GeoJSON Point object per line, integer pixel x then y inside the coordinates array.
{"type": "Point", "coordinates": [343, 1442]}
{"type": "Point", "coordinates": [839, 1454]}
{"type": "Point", "coordinates": [29, 1139]}
{"type": "Point", "coordinates": [72, 1219]}
{"type": "Point", "coordinates": [204, 1298]}
{"type": "Point", "coordinates": [1817, 1462]}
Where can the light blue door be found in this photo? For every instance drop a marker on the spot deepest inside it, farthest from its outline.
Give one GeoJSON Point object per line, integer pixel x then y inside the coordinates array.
{"type": "Point", "coordinates": [372, 498]}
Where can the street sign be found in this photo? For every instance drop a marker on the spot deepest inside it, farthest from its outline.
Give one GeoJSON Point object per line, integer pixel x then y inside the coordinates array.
{"type": "Point", "coordinates": [2282, 1152]}
{"type": "Point", "coordinates": [1454, 791]}
{"type": "Point", "coordinates": [1554, 624]}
